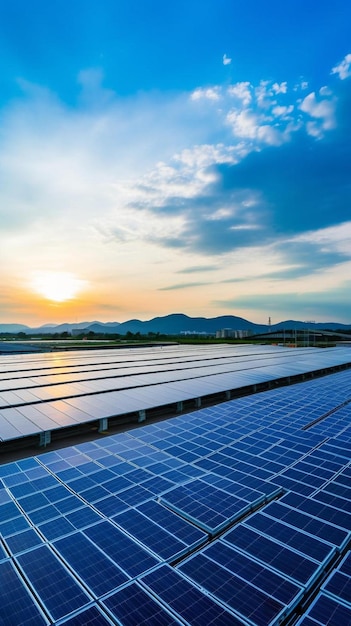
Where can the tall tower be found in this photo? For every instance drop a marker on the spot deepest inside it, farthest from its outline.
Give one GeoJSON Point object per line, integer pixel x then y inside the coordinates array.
{"type": "Point", "coordinates": [269, 321]}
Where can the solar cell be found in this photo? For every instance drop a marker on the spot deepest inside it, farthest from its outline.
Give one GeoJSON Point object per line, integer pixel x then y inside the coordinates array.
{"type": "Point", "coordinates": [307, 523]}
{"type": "Point", "coordinates": [326, 610]}
{"type": "Point", "coordinates": [17, 605]}
{"type": "Point", "coordinates": [187, 601]}
{"type": "Point", "coordinates": [272, 583]}
{"type": "Point", "coordinates": [59, 593]}
{"type": "Point", "coordinates": [22, 541]}
{"type": "Point", "coordinates": [301, 569]}
{"type": "Point", "coordinates": [210, 508]}
{"type": "Point", "coordinates": [92, 566]}
{"type": "Point", "coordinates": [290, 536]}
{"type": "Point", "coordinates": [133, 605]}
{"type": "Point", "coordinates": [241, 596]}
{"type": "Point", "coordinates": [339, 584]}
{"type": "Point", "coordinates": [89, 617]}
{"type": "Point", "coordinates": [130, 556]}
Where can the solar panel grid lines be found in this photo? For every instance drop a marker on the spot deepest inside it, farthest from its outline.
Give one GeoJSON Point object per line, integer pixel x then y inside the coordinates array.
{"type": "Point", "coordinates": [191, 604]}
{"type": "Point", "coordinates": [290, 536]}
{"type": "Point", "coordinates": [246, 600]}
{"type": "Point", "coordinates": [156, 539]}
{"type": "Point", "coordinates": [90, 565]}
{"type": "Point", "coordinates": [18, 605]}
{"type": "Point", "coordinates": [326, 610]}
{"type": "Point", "coordinates": [130, 556]}
{"type": "Point", "coordinates": [60, 593]}
{"type": "Point", "coordinates": [255, 593]}
{"type": "Point", "coordinates": [311, 524]}
{"type": "Point", "coordinates": [294, 566]}
{"type": "Point", "coordinates": [338, 587]}
{"type": "Point", "coordinates": [93, 616]}
{"type": "Point", "coordinates": [134, 605]}
{"type": "Point", "coordinates": [209, 507]}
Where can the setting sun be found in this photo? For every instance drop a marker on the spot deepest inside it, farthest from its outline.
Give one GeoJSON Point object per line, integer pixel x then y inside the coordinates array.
{"type": "Point", "coordinates": [57, 286]}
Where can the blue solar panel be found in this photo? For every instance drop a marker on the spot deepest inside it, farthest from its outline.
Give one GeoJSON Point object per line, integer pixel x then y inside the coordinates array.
{"type": "Point", "coordinates": [339, 584]}
{"type": "Point", "coordinates": [326, 610]}
{"type": "Point", "coordinates": [168, 486]}
{"type": "Point", "coordinates": [246, 568]}
{"type": "Point", "coordinates": [346, 564]}
{"type": "Point", "coordinates": [299, 568]}
{"type": "Point", "coordinates": [89, 617]}
{"type": "Point", "coordinates": [208, 507]}
{"type": "Point", "coordinates": [187, 601]}
{"type": "Point", "coordinates": [133, 605]}
{"type": "Point", "coordinates": [318, 509]}
{"type": "Point", "coordinates": [129, 555]}
{"type": "Point", "coordinates": [155, 538]}
{"type": "Point", "coordinates": [307, 523]}
{"type": "Point", "coordinates": [58, 591]}
{"type": "Point", "coordinates": [173, 523]}
{"type": "Point", "coordinates": [22, 541]}
{"type": "Point", "coordinates": [289, 536]}
{"type": "Point", "coordinates": [244, 598]}
{"type": "Point", "coordinates": [17, 605]}
{"type": "Point", "coordinates": [99, 573]}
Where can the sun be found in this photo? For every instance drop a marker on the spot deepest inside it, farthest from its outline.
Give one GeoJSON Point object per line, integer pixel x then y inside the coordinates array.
{"type": "Point", "coordinates": [57, 286]}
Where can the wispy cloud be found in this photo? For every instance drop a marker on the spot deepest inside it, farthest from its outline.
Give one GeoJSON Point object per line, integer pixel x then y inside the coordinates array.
{"type": "Point", "coordinates": [343, 69]}
{"type": "Point", "coordinates": [226, 60]}
{"type": "Point", "coordinates": [183, 286]}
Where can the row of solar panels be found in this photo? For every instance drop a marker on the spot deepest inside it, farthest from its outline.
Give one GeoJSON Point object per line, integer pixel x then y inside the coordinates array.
{"type": "Point", "coordinates": [51, 361]}
{"type": "Point", "coordinates": [38, 409]}
{"type": "Point", "coordinates": [230, 515]}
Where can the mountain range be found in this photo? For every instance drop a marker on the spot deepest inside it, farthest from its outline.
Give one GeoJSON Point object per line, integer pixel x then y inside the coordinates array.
{"type": "Point", "coordinates": [173, 324]}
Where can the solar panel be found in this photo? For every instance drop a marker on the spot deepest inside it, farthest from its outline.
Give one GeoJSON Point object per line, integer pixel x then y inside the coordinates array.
{"type": "Point", "coordinates": [17, 604]}
{"type": "Point", "coordinates": [325, 610]}
{"type": "Point", "coordinates": [208, 507]}
{"type": "Point", "coordinates": [290, 536]}
{"type": "Point", "coordinates": [187, 601]}
{"type": "Point", "coordinates": [101, 513]}
{"type": "Point", "coordinates": [88, 617]}
{"type": "Point", "coordinates": [131, 557]}
{"type": "Point", "coordinates": [294, 565]}
{"type": "Point", "coordinates": [242, 597]}
{"type": "Point", "coordinates": [270, 582]}
{"type": "Point", "coordinates": [44, 396]}
{"type": "Point", "coordinates": [92, 566]}
{"type": "Point", "coordinates": [133, 605]}
{"type": "Point", "coordinates": [59, 593]}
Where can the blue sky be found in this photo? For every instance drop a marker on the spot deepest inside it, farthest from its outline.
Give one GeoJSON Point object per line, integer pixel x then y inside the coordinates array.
{"type": "Point", "coordinates": [175, 157]}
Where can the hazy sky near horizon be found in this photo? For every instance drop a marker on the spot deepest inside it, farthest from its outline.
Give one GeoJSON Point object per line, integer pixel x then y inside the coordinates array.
{"type": "Point", "coordinates": [162, 157]}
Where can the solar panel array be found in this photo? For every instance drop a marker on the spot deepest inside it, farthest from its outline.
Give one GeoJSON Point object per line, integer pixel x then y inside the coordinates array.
{"type": "Point", "coordinates": [235, 514]}
{"type": "Point", "coordinates": [42, 393]}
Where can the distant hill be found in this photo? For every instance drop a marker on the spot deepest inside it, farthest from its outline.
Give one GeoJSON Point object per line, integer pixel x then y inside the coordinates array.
{"type": "Point", "coordinates": [14, 328]}
{"type": "Point", "coordinates": [178, 323]}
{"type": "Point", "coordinates": [174, 324]}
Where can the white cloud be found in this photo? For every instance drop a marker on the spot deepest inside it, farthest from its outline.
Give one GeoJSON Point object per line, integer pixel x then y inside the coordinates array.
{"type": "Point", "coordinates": [325, 91]}
{"type": "Point", "coordinates": [264, 93]}
{"type": "Point", "coordinates": [280, 87]}
{"type": "Point", "coordinates": [343, 69]}
{"type": "Point", "coordinates": [226, 60]}
{"type": "Point", "coordinates": [248, 125]}
{"type": "Point", "coordinates": [209, 93]}
{"type": "Point", "coordinates": [334, 238]}
{"type": "Point", "coordinates": [242, 91]}
{"type": "Point", "coordinates": [322, 110]}
{"type": "Point", "coordinates": [282, 111]}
